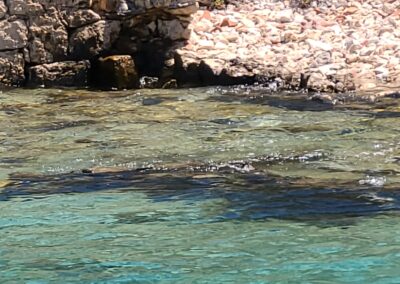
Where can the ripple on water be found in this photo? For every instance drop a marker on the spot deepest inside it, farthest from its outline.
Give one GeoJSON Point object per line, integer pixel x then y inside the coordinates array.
{"type": "Point", "coordinates": [220, 185]}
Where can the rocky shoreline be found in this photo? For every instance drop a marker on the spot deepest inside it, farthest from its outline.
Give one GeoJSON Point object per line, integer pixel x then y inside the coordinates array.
{"type": "Point", "coordinates": [328, 46]}
{"type": "Point", "coordinates": [66, 42]}
{"type": "Point", "coordinates": [331, 46]}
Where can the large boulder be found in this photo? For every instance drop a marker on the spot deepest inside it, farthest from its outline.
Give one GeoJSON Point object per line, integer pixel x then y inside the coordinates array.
{"type": "Point", "coordinates": [3, 9]}
{"type": "Point", "coordinates": [92, 40]}
{"type": "Point", "coordinates": [48, 38]}
{"type": "Point", "coordinates": [116, 72]}
{"type": "Point", "coordinates": [11, 68]}
{"type": "Point", "coordinates": [13, 34]}
{"type": "Point", "coordinates": [60, 74]}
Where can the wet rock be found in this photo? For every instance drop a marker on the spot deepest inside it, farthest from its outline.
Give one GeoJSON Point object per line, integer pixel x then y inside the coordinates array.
{"type": "Point", "coordinates": [60, 74]}
{"type": "Point", "coordinates": [147, 82]}
{"type": "Point", "coordinates": [151, 101]}
{"type": "Point", "coordinates": [92, 40]}
{"type": "Point", "coordinates": [323, 98]}
{"type": "Point", "coordinates": [13, 34]}
{"type": "Point", "coordinates": [11, 68]}
{"type": "Point", "coordinates": [170, 84]}
{"type": "Point", "coordinates": [116, 72]}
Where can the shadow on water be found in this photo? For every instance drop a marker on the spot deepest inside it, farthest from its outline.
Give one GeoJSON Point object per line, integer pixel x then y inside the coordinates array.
{"type": "Point", "coordinates": [246, 196]}
{"type": "Point", "coordinates": [298, 101]}
{"type": "Point", "coordinates": [293, 102]}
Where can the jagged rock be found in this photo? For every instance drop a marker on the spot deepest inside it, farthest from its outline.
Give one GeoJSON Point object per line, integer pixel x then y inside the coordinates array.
{"type": "Point", "coordinates": [116, 72]}
{"type": "Point", "coordinates": [60, 74]}
{"type": "Point", "coordinates": [11, 68]}
{"type": "Point", "coordinates": [90, 41]}
{"type": "Point", "coordinates": [13, 34]}
{"type": "Point", "coordinates": [24, 7]}
{"type": "Point", "coordinates": [48, 38]}
{"type": "Point", "coordinates": [173, 30]}
{"type": "Point", "coordinates": [3, 9]}
{"type": "Point", "coordinates": [82, 18]}
{"type": "Point", "coordinates": [106, 5]}
{"type": "Point", "coordinates": [75, 4]}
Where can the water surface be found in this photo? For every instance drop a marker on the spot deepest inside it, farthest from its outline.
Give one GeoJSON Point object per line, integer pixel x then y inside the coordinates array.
{"type": "Point", "coordinates": [212, 185]}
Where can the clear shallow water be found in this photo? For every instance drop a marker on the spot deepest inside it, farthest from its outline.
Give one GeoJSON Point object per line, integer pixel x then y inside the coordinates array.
{"type": "Point", "coordinates": [314, 198]}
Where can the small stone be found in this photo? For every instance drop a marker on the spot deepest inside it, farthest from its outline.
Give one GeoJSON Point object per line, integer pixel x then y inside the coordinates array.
{"type": "Point", "coordinates": [226, 22]}
{"type": "Point", "coordinates": [147, 82]}
{"type": "Point", "coordinates": [315, 44]}
{"type": "Point", "coordinates": [284, 16]}
{"type": "Point", "coordinates": [205, 44]}
{"type": "Point", "coordinates": [170, 84]}
{"type": "Point", "coordinates": [382, 72]}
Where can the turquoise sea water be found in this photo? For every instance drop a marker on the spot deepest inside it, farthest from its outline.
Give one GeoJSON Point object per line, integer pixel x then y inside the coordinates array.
{"type": "Point", "coordinates": [197, 186]}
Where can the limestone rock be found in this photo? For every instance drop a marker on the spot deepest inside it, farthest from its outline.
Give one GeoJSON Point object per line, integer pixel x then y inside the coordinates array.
{"type": "Point", "coordinates": [284, 16]}
{"type": "Point", "coordinates": [173, 30]}
{"type": "Point", "coordinates": [25, 7]}
{"type": "Point", "coordinates": [11, 68]}
{"type": "Point", "coordinates": [81, 18]}
{"type": "Point", "coordinates": [3, 9]}
{"type": "Point", "coordinates": [116, 72]}
{"type": "Point", "coordinates": [13, 34]}
{"type": "Point", "coordinates": [48, 38]}
{"type": "Point", "coordinates": [76, 4]}
{"type": "Point", "coordinates": [60, 74]}
{"type": "Point", "coordinates": [90, 41]}
{"type": "Point", "coordinates": [184, 11]}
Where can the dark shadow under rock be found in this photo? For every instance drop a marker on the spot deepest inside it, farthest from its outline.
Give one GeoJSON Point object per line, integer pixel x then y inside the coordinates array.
{"type": "Point", "coordinates": [115, 72]}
